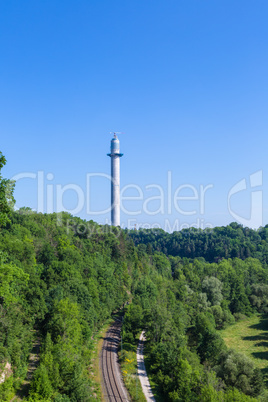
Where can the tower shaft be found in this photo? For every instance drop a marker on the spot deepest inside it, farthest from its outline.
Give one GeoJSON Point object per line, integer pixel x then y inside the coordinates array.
{"type": "Point", "coordinates": [115, 190]}
{"type": "Point", "coordinates": [115, 181]}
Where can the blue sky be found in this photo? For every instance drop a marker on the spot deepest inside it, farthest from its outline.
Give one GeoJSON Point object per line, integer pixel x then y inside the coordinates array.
{"type": "Point", "coordinates": [186, 81]}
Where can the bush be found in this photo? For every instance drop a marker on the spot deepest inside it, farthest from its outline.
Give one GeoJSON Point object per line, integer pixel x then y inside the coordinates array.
{"type": "Point", "coordinates": [237, 370]}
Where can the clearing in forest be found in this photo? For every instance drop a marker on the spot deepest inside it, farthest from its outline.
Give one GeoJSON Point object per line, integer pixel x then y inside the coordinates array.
{"type": "Point", "coordinates": [250, 336]}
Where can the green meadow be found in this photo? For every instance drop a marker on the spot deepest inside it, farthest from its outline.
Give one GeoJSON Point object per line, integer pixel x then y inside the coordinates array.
{"type": "Point", "coordinates": [250, 336]}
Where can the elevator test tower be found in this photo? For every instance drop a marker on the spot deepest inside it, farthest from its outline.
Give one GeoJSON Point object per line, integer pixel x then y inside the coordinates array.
{"type": "Point", "coordinates": [115, 180]}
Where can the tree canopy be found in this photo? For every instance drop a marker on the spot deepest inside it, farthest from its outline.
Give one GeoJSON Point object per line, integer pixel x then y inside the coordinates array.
{"type": "Point", "coordinates": [64, 282]}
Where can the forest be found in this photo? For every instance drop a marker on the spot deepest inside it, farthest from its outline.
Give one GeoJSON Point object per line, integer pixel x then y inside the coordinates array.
{"type": "Point", "coordinates": [232, 241]}
{"type": "Point", "coordinates": [61, 277]}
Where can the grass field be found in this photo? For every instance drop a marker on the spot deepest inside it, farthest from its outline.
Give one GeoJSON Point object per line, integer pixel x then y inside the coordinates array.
{"type": "Point", "coordinates": [128, 362]}
{"type": "Point", "coordinates": [250, 336]}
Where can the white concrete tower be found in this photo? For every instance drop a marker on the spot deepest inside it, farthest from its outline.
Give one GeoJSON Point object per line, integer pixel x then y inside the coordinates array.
{"type": "Point", "coordinates": [115, 180]}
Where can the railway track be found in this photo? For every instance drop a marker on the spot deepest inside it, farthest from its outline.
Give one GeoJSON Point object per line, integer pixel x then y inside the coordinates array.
{"type": "Point", "coordinates": [114, 389]}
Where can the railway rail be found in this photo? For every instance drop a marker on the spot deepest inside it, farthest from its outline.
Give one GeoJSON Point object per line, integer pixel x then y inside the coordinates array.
{"type": "Point", "coordinates": [114, 389]}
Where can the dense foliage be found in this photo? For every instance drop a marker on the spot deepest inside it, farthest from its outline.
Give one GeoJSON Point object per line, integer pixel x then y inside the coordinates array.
{"type": "Point", "coordinates": [64, 285]}
{"type": "Point", "coordinates": [61, 277]}
{"type": "Point", "coordinates": [232, 241]}
{"type": "Point", "coordinates": [183, 304]}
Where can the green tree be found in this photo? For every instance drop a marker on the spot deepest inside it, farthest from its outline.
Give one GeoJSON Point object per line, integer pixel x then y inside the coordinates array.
{"type": "Point", "coordinates": [213, 287]}
{"type": "Point", "coordinates": [6, 195]}
{"type": "Point", "coordinates": [11, 277]}
{"type": "Point", "coordinates": [237, 370]}
{"type": "Point", "coordinates": [209, 343]}
{"type": "Point", "coordinates": [41, 385]}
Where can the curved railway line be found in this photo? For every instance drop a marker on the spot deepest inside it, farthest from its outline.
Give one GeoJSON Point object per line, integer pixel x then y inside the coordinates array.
{"type": "Point", "coordinates": [114, 389]}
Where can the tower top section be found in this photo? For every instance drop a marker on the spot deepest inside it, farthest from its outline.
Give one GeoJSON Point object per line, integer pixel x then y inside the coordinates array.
{"type": "Point", "coordinates": [115, 147]}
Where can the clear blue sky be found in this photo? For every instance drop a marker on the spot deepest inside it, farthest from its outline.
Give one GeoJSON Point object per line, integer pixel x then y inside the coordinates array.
{"type": "Point", "coordinates": [185, 80]}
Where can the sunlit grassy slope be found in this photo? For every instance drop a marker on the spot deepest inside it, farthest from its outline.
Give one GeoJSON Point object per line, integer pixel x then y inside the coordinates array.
{"type": "Point", "coordinates": [250, 336]}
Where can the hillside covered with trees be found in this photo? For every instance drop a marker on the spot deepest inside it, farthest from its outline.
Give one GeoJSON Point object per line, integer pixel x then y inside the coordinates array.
{"type": "Point", "coordinates": [232, 241]}
{"type": "Point", "coordinates": [64, 286]}
{"type": "Point", "coordinates": [61, 277]}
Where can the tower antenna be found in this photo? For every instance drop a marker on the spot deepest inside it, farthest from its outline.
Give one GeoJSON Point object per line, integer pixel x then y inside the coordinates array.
{"type": "Point", "coordinates": [115, 133]}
